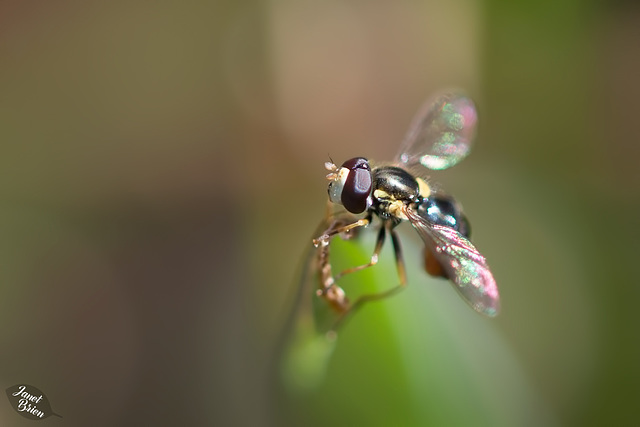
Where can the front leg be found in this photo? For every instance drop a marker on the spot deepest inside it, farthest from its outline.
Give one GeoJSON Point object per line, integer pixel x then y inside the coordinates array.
{"type": "Point", "coordinates": [335, 229]}
{"type": "Point", "coordinates": [328, 289]}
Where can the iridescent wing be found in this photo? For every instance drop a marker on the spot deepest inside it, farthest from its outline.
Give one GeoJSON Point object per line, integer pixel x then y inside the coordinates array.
{"type": "Point", "coordinates": [441, 133]}
{"type": "Point", "coordinates": [464, 265]}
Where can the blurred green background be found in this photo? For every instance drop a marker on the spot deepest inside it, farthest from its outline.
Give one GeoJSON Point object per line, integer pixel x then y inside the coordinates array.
{"type": "Point", "coordinates": [161, 174]}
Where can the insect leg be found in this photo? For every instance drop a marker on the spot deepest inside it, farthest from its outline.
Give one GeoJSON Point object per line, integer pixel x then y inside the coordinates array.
{"type": "Point", "coordinates": [333, 230]}
{"type": "Point", "coordinates": [397, 250]}
{"type": "Point", "coordinates": [402, 275]}
{"type": "Point", "coordinates": [343, 224]}
{"type": "Point", "coordinates": [374, 258]}
{"type": "Point", "coordinates": [328, 290]}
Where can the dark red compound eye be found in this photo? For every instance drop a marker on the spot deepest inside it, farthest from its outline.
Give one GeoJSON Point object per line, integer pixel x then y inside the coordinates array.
{"type": "Point", "coordinates": [357, 187]}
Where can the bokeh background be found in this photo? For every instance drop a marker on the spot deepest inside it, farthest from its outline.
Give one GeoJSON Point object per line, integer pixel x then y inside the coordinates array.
{"type": "Point", "coordinates": [161, 174]}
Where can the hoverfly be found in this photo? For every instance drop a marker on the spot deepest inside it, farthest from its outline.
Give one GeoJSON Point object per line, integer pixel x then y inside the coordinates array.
{"type": "Point", "coordinates": [439, 137]}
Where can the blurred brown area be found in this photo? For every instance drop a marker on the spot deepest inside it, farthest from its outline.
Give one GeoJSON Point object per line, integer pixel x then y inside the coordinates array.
{"type": "Point", "coordinates": [161, 174]}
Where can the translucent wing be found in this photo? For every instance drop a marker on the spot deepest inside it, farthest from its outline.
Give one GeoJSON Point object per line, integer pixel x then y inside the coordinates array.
{"type": "Point", "coordinates": [304, 346]}
{"type": "Point", "coordinates": [465, 267]}
{"type": "Point", "coordinates": [441, 133]}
